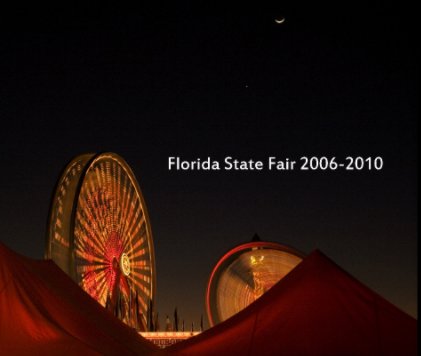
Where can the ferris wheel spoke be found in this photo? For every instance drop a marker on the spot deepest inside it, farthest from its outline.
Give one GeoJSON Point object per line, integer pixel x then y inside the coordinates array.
{"type": "Point", "coordinates": [131, 218]}
{"type": "Point", "coordinates": [106, 242]}
{"type": "Point", "coordinates": [125, 206]}
{"type": "Point", "coordinates": [139, 253]}
{"type": "Point", "coordinates": [141, 256]}
{"type": "Point", "coordinates": [94, 265]}
{"type": "Point", "coordinates": [141, 275]}
{"type": "Point", "coordinates": [119, 187]}
{"type": "Point", "coordinates": [145, 296]}
{"type": "Point", "coordinates": [128, 218]}
{"type": "Point", "coordinates": [141, 260]}
{"type": "Point", "coordinates": [139, 244]}
{"type": "Point", "coordinates": [131, 250]}
{"type": "Point", "coordinates": [141, 278]}
{"type": "Point", "coordinates": [141, 237]}
{"type": "Point", "coordinates": [116, 195]}
{"type": "Point", "coordinates": [97, 265]}
{"type": "Point", "coordinates": [122, 214]}
{"type": "Point", "coordinates": [122, 204]}
{"type": "Point", "coordinates": [143, 293]}
{"type": "Point", "coordinates": [88, 238]}
{"type": "Point", "coordinates": [88, 256]}
{"type": "Point", "coordinates": [87, 218]}
{"type": "Point", "coordinates": [143, 269]}
{"type": "Point", "coordinates": [96, 193]}
{"type": "Point", "coordinates": [90, 199]}
{"type": "Point", "coordinates": [135, 213]}
{"type": "Point", "coordinates": [102, 290]}
{"type": "Point", "coordinates": [86, 252]}
{"type": "Point", "coordinates": [135, 227]}
{"type": "Point", "coordinates": [102, 212]}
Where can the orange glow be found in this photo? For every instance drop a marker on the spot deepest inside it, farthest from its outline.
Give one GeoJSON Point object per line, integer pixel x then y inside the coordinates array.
{"type": "Point", "coordinates": [244, 274]}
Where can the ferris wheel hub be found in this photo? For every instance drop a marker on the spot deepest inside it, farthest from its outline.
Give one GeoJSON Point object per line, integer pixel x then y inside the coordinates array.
{"type": "Point", "coordinates": [125, 264]}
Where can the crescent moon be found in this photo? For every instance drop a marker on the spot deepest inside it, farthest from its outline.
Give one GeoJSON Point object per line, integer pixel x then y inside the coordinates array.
{"type": "Point", "coordinates": [280, 20]}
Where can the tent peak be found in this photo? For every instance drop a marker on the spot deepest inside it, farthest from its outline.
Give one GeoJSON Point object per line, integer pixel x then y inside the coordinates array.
{"type": "Point", "coordinates": [255, 238]}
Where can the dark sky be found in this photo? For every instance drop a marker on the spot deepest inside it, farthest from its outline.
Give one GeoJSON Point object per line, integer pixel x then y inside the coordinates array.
{"type": "Point", "coordinates": [196, 81]}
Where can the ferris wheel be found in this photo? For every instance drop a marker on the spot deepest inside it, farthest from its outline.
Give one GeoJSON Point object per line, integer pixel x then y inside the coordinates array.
{"type": "Point", "coordinates": [99, 234]}
{"type": "Point", "coordinates": [244, 274]}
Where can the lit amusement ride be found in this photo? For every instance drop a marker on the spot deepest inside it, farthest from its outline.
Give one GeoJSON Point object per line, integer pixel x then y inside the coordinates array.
{"type": "Point", "coordinates": [99, 234]}
{"type": "Point", "coordinates": [244, 273]}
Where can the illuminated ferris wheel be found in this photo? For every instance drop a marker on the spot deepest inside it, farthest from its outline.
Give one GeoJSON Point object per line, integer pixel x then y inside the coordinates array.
{"type": "Point", "coordinates": [99, 234]}
{"type": "Point", "coordinates": [244, 274]}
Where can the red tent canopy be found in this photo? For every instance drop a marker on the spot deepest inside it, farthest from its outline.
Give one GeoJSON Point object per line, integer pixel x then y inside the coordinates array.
{"type": "Point", "coordinates": [43, 312]}
{"type": "Point", "coordinates": [317, 309]}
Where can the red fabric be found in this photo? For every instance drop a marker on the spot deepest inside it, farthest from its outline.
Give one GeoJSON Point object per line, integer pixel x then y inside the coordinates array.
{"type": "Point", "coordinates": [317, 309]}
{"type": "Point", "coordinates": [43, 312]}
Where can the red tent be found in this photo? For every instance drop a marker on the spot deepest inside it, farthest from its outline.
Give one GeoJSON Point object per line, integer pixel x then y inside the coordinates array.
{"type": "Point", "coordinates": [317, 309]}
{"type": "Point", "coordinates": [43, 312]}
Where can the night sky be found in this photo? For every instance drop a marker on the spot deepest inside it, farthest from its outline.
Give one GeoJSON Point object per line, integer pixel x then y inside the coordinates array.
{"type": "Point", "coordinates": [200, 81]}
